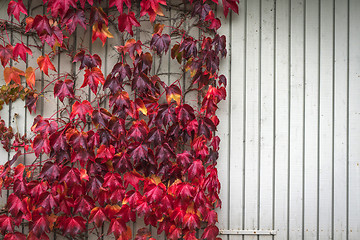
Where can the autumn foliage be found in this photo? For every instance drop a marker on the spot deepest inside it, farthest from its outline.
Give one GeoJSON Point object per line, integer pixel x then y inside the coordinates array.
{"type": "Point", "coordinates": [137, 148]}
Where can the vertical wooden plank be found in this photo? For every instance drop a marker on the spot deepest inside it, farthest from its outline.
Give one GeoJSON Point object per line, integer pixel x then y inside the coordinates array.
{"type": "Point", "coordinates": [281, 118]}
{"type": "Point", "coordinates": [224, 113]}
{"type": "Point", "coordinates": [326, 125]}
{"type": "Point", "coordinates": [340, 115]}
{"type": "Point", "coordinates": [311, 118]}
{"type": "Point", "coordinates": [266, 116]}
{"type": "Point", "coordinates": [353, 121]}
{"type": "Point", "coordinates": [252, 116]}
{"type": "Point", "coordinates": [296, 119]}
{"type": "Point", "coordinates": [237, 83]}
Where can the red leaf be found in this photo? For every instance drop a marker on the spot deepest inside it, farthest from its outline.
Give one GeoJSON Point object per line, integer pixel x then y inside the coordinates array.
{"type": "Point", "coordinates": [45, 63]}
{"type": "Point", "coordinates": [127, 21]}
{"type": "Point", "coordinates": [64, 89]}
{"type": "Point", "coordinates": [210, 233]}
{"type": "Point", "coordinates": [232, 4]}
{"type": "Point", "coordinates": [117, 226]}
{"type": "Point", "coordinates": [112, 180]}
{"type": "Point", "coordinates": [138, 130]}
{"type": "Point", "coordinates": [196, 170]}
{"type": "Point", "coordinates": [6, 53]}
{"type": "Point", "coordinates": [40, 144]}
{"type": "Point", "coordinates": [101, 31]}
{"type": "Point", "coordinates": [131, 46]}
{"type": "Point", "coordinates": [101, 117]}
{"type": "Point", "coordinates": [92, 78]}
{"type": "Point", "coordinates": [12, 73]}
{"type": "Point", "coordinates": [72, 225]}
{"type": "Point", "coordinates": [47, 201]}
{"type": "Point", "coordinates": [16, 205]}
{"type": "Point", "coordinates": [83, 205]}
{"type": "Point", "coordinates": [173, 92]}
{"type": "Point", "coordinates": [152, 7]}
{"type": "Point", "coordinates": [50, 171]}
{"type": "Point", "coordinates": [6, 224]}
{"type": "Point", "coordinates": [21, 50]}
{"type": "Point", "coordinates": [154, 192]}
{"type": "Point", "coordinates": [87, 60]}
{"type": "Point", "coordinates": [191, 221]}
{"type": "Point", "coordinates": [39, 225]}
{"type": "Point", "coordinates": [14, 8]}
{"type": "Point", "coordinates": [132, 178]}
{"type": "Point", "coordinates": [119, 4]}
{"type": "Point", "coordinates": [81, 109]}
{"type": "Point", "coordinates": [70, 175]}
{"type": "Point", "coordinates": [98, 216]}
{"type": "Point", "coordinates": [160, 43]}
{"type": "Point", "coordinates": [15, 236]}
{"type": "Point", "coordinates": [72, 19]}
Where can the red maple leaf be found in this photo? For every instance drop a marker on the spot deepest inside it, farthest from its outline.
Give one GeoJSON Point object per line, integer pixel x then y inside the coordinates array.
{"type": "Point", "coordinates": [40, 144]}
{"type": "Point", "coordinates": [98, 216]}
{"type": "Point", "coordinates": [131, 46]}
{"type": "Point", "coordinates": [50, 171]}
{"type": "Point", "coordinates": [83, 205]}
{"type": "Point", "coordinates": [21, 50]}
{"type": "Point", "coordinates": [112, 181]}
{"type": "Point", "coordinates": [100, 30]}
{"type": "Point", "coordinates": [6, 224]}
{"type": "Point", "coordinates": [138, 130]}
{"type": "Point", "coordinates": [191, 220]}
{"type": "Point", "coordinates": [39, 225]}
{"type": "Point", "coordinates": [71, 225]}
{"type": "Point", "coordinates": [45, 63]}
{"type": "Point", "coordinates": [92, 78]}
{"type": "Point", "coordinates": [81, 109]}
{"type": "Point", "coordinates": [210, 232]}
{"type": "Point", "coordinates": [47, 201]}
{"type": "Point", "coordinates": [127, 21]}
{"type": "Point", "coordinates": [119, 4]}
{"type": "Point", "coordinates": [70, 175]}
{"type": "Point", "coordinates": [14, 8]}
{"type": "Point", "coordinates": [152, 7]}
{"type": "Point", "coordinates": [64, 89]}
{"type": "Point", "coordinates": [15, 236]}
{"type": "Point", "coordinates": [117, 226]}
{"type": "Point", "coordinates": [6, 53]}
{"type": "Point", "coordinates": [87, 60]}
{"type": "Point", "coordinates": [101, 116]}
{"type": "Point", "coordinates": [173, 92]}
{"type": "Point", "coordinates": [72, 19]}
{"type": "Point", "coordinates": [160, 43]}
{"type": "Point", "coordinates": [196, 170]}
{"type": "Point", "coordinates": [232, 4]}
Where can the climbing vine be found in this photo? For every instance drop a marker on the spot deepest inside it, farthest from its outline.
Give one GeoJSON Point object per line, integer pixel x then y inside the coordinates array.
{"type": "Point", "coordinates": [137, 148]}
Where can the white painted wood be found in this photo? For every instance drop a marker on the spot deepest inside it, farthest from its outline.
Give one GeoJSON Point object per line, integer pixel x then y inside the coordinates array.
{"type": "Point", "coordinates": [266, 160]}
{"type": "Point", "coordinates": [296, 118]}
{"type": "Point", "coordinates": [311, 118]}
{"type": "Point", "coordinates": [281, 118]}
{"type": "Point", "coordinates": [340, 120]}
{"type": "Point", "coordinates": [252, 102]}
{"type": "Point", "coordinates": [237, 108]}
{"type": "Point", "coordinates": [353, 121]}
{"type": "Point", "coordinates": [224, 127]}
{"type": "Point", "coordinates": [326, 124]}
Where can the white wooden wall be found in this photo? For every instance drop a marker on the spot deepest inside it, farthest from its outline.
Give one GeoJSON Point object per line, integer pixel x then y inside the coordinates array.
{"type": "Point", "coordinates": [290, 127]}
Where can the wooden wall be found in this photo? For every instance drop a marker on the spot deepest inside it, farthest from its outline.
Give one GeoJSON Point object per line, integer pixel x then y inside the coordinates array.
{"type": "Point", "coordinates": [290, 127]}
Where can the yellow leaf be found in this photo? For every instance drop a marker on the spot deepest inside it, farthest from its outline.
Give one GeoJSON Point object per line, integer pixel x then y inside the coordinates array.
{"type": "Point", "coordinates": [30, 77]}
